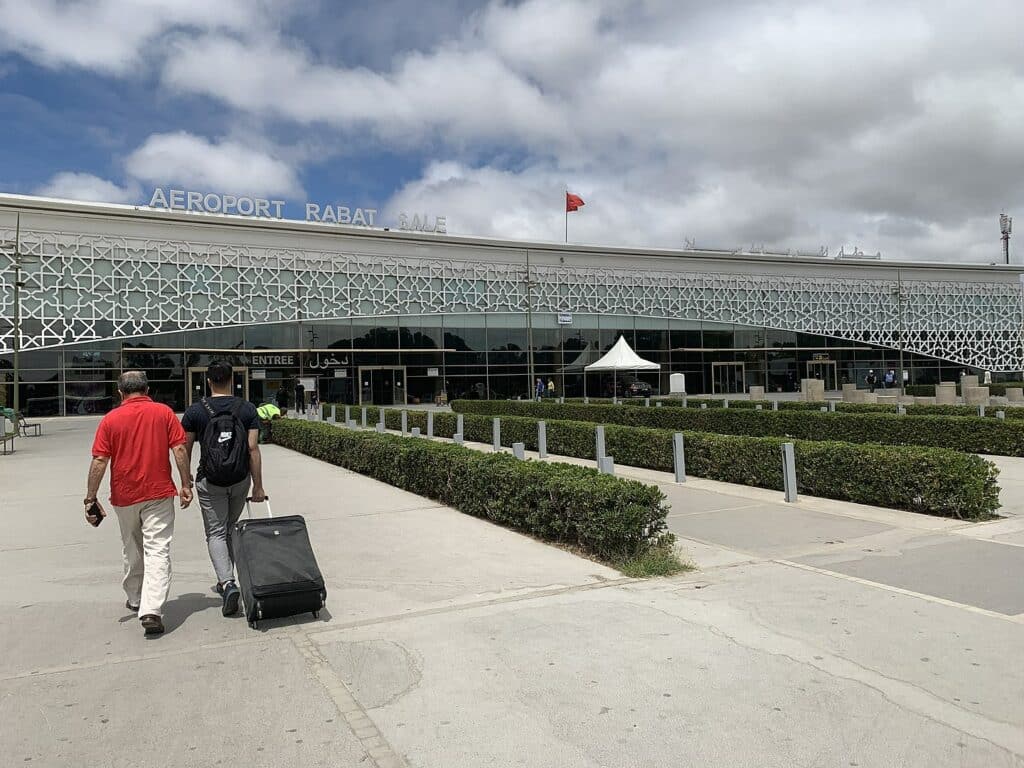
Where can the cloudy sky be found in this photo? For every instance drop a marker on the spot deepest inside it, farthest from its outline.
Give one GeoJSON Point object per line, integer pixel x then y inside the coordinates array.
{"type": "Point", "coordinates": [894, 126]}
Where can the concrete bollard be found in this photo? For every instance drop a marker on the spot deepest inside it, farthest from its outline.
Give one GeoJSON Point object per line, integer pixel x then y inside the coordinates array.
{"type": "Point", "coordinates": [981, 410]}
{"type": "Point", "coordinates": [380, 428]}
{"type": "Point", "coordinates": [832, 406]}
{"type": "Point", "coordinates": [457, 437]}
{"type": "Point", "coordinates": [405, 423]}
{"type": "Point", "coordinates": [496, 434]}
{"type": "Point", "coordinates": [606, 466]}
{"type": "Point", "coordinates": [599, 446]}
{"type": "Point", "coordinates": [458, 424]}
{"type": "Point", "coordinates": [726, 403]}
{"type": "Point", "coordinates": [364, 418]}
{"type": "Point", "coordinates": [542, 439]}
{"type": "Point", "coordinates": [348, 413]}
{"type": "Point", "coordinates": [703, 406]}
{"type": "Point", "coordinates": [824, 409]}
{"type": "Point", "coordinates": [351, 424]}
{"type": "Point", "coordinates": [586, 401]}
{"type": "Point", "coordinates": [430, 424]}
{"type": "Point", "coordinates": [415, 432]}
{"type": "Point", "coordinates": [679, 457]}
{"type": "Point", "coordinates": [519, 450]}
{"type": "Point", "coordinates": [381, 420]}
{"type": "Point", "coordinates": [647, 402]}
{"type": "Point", "coordinates": [1000, 414]}
{"type": "Point", "coordinates": [658, 404]}
{"type": "Point", "coordinates": [759, 407]}
{"type": "Point", "coordinates": [789, 471]}
{"type": "Point", "coordinates": [901, 410]}
{"type": "Point", "coordinates": [775, 405]}
{"type": "Point", "coordinates": [333, 418]}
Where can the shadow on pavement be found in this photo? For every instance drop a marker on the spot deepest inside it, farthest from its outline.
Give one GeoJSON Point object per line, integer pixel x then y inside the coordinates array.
{"type": "Point", "coordinates": [177, 611]}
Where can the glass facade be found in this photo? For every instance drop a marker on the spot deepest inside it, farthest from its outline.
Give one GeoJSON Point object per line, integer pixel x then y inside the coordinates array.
{"type": "Point", "coordinates": [426, 358]}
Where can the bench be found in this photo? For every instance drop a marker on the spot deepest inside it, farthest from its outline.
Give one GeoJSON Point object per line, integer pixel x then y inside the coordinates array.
{"type": "Point", "coordinates": [4, 440]}
{"type": "Point", "coordinates": [25, 429]}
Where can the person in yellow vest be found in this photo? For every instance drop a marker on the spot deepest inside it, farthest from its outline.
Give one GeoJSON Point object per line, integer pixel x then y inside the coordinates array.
{"type": "Point", "coordinates": [267, 413]}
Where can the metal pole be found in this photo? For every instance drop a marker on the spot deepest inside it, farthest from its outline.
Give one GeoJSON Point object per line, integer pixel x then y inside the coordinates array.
{"type": "Point", "coordinates": [496, 434]}
{"type": "Point", "coordinates": [542, 439]}
{"type": "Point", "coordinates": [529, 326]}
{"type": "Point", "coordinates": [679, 457]}
{"type": "Point", "coordinates": [17, 321]}
{"type": "Point", "coordinates": [899, 287]}
{"type": "Point", "coordinates": [599, 447]}
{"type": "Point", "coordinates": [430, 423]}
{"type": "Point", "coordinates": [789, 471]}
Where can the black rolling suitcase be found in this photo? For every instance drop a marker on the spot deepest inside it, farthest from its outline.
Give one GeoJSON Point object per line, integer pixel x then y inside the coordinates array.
{"type": "Point", "coordinates": [277, 571]}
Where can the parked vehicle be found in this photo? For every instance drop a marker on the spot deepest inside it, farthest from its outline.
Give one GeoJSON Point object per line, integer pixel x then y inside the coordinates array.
{"type": "Point", "coordinates": [626, 385]}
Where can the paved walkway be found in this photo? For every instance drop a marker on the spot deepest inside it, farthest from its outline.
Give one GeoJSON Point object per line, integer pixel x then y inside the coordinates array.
{"type": "Point", "coordinates": [451, 642]}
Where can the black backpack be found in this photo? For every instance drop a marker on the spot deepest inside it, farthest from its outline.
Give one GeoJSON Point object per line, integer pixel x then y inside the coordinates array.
{"type": "Point", "coordinates": [225, 446]}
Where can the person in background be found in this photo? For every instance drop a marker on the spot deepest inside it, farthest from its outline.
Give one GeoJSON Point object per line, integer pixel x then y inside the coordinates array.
{"type": "Point", "coordinates": [539, 388]}
{"type": "Point", "coordinates": [889, 380]}
{"type": "Point", "coordinates": [268, 412]}
{"type": "Point", "coordinates": [551, 387]}
{"type": "Point", "coordinates": [300, 397]}
{"type": "Point", "coordinates": [314, 401]}
{"type": "Point", "coordinates": [134, 440]}
{"type": "Point", "coordinates": [871, 380]}
{"type": "Point", "coordinates": [282, 397]}
{"type": "Point", "coordinates": [222, 504]}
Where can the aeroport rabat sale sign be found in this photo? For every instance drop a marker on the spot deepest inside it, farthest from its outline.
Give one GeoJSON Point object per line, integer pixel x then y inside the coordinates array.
{"type": "Point", "coordinates": [258, 207]}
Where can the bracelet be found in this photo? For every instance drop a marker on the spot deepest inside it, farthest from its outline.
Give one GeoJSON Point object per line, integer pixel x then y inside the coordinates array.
{"type": "Point", "coordinates": [90, 501]}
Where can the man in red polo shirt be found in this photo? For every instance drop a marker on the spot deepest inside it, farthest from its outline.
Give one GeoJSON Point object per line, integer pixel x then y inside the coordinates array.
{"type": "Point", "coordinates": [135, 439]}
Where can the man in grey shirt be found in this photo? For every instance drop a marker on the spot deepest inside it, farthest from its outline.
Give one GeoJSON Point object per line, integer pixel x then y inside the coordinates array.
{"type": "Point", "coordinates": [222, 505]}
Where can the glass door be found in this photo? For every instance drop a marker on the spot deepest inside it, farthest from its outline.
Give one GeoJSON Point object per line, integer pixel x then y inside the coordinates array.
{"type": "Point", "coordinates": [727, 378]}
{"type": "Point", "coordinates": [825, 370]}
{"type": "Point", "coordinates": [196, 385]}
{"type": "Point", "coordinates": [197, 388]}
{"type": "Point", "coordinates": [382, 385]}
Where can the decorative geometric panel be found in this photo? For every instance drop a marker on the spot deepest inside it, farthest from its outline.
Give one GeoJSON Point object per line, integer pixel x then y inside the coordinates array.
{"type": "Point", "coordinates": [81, 287]}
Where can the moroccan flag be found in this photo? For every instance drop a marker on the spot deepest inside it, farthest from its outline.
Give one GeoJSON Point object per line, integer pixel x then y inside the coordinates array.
{"type": "Point", "coordinates": [573, 202]}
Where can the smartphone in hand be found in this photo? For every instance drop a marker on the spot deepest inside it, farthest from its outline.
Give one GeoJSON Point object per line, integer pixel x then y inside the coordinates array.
{"type": "Point", "coordinates": [96, 512]}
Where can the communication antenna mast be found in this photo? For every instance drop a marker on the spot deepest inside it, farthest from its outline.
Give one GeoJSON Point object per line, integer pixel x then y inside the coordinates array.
{"type": "Point", "coordinates": [1006, 226]}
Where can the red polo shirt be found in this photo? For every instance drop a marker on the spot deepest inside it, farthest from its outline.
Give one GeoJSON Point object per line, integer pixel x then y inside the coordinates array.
{"type": "Point", "coordinates": [137, 436]}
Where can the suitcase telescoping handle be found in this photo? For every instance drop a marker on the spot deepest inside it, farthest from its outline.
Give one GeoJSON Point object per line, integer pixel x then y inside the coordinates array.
{"type": "Point", "coordinates": [248, 507]}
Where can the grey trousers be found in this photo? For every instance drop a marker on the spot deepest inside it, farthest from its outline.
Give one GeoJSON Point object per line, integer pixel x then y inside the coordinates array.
{"type": "Point", "coordinates": [222, 505]}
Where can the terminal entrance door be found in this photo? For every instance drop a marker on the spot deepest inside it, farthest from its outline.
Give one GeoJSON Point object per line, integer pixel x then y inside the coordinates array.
{"type": "Point", "coordinates": [728, 378]}
{"type": "Point", "coordinates": [197, 384]}
{"type": "Point", "coordinates": [382, 385]}
{"type": "Point", "coordinates": [824, 370]}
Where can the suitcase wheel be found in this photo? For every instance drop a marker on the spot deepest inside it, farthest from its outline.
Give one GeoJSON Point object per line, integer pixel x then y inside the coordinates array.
{"type": "Point", "coordinates": [259, 610]}
{"type": "Point", "coordinates": [316, 614]}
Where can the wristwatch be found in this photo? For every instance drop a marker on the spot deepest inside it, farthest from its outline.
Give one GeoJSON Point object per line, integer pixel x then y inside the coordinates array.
{"type": "Point", "coordinates": [90, 501]}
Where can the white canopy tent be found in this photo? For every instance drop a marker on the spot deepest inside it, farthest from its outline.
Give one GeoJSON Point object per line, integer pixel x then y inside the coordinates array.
{"type": "Point", "coordinates": [621, 357]}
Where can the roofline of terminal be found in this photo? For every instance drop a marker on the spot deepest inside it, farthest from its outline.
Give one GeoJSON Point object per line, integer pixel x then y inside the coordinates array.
{"type": "Point", "coordinates": [59, 205]}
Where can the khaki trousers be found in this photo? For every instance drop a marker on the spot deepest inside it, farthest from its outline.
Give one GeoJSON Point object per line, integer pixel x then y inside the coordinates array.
{"type": "Point", "coordinates": [146, 531]}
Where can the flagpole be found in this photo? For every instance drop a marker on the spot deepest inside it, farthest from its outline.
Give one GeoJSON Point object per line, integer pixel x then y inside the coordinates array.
{"type": "Point", "coordinates": [567, 216]}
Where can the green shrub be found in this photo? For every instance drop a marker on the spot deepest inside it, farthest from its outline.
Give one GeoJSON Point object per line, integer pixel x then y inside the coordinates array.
{"type": "Point", "coordinates": [967, 434]}
{"type": "Point", "coordinates": [929, 480]}
{"type": "Point", "coordinates": [610, 518]}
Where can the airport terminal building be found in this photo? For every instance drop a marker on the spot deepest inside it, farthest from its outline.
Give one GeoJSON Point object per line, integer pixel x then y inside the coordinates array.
{"type": "Point", "coordinates": [371, 315]}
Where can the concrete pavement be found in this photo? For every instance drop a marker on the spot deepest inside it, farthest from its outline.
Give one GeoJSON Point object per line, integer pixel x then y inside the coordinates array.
{"type": "Point", "coordinates": [451, 642]}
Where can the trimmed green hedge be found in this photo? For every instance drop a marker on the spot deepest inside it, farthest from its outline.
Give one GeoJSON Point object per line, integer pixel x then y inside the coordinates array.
{"type": "Point", "coordinates": [967, 434]}
{"type": "Point", "coordinates": [1011, 411]}
{"type": "Point", "coordinates": [610, 518]}
{"type": "Point", "coordinates": [929, 480]}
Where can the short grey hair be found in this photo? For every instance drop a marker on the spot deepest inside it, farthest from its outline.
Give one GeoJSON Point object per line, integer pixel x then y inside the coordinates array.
{"type": "Point", "coordinates": [132, 382]}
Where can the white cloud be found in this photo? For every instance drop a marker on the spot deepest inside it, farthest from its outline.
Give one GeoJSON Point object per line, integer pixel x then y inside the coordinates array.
{"type": "Point", "coordinates": [788, 122]}
{"type": "Point", "coordinates": [106, 35]}
{"type": "Point", "coordinates": [85, 186]}
{"type": "Point", "coordinates": [230, 165]}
